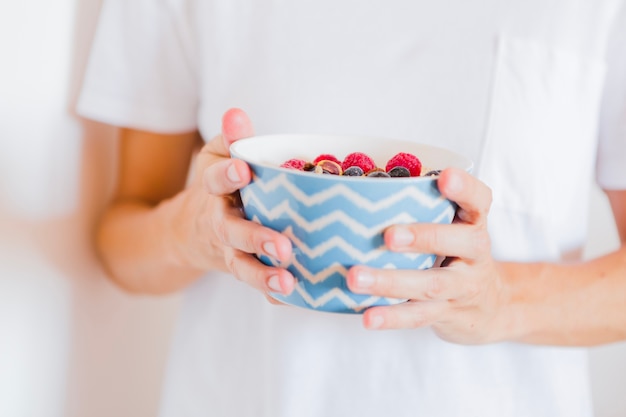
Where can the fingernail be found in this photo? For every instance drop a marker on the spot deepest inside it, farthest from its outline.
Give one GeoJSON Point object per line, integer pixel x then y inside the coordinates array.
{"type": "Point", "coordinates": [270, 249]}
{"type": "Point", "coordinates": [364, 280]}
{"type": "Point", "coordinates": [232, 174]}
{"type": "Point", "coordinates": [454, 184]}
{"type": "Point", "coordinates": [376, 322]}
{"type": "Point", "coordinates": [274, 283]}
{"type": "Point", "coordinates": [402, 236]}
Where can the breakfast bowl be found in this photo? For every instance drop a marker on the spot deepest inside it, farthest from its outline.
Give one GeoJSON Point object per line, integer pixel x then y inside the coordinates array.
{"type": "Point", "coordinates": [337, 221]}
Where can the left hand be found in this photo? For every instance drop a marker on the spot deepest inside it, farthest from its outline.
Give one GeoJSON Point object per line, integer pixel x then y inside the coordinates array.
{"type": "Point", "coordinates": [461, 298]}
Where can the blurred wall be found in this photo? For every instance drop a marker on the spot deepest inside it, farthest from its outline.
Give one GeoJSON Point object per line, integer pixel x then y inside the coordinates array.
{"type": "Point", "coordinates": [71, 344]}
{"type": "Point", "coordinates": [608, 363]}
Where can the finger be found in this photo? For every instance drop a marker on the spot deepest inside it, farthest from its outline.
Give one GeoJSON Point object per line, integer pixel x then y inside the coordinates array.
{"type": "Point", "coordinates": [456, 240]}
{"type": "Point", "coordinates": [435, 284]}
{"type": "Point", "coordinates": [273, 300]}
{"type": "Point", "coordinates": [409, 315]}
{"type": "Point", "coordinates": [473, 196]}
{"type": "Point", "coordinates": [248, 269]}
{"type": "Point", "coordinates": [226, 176]}
{"type": "Point", "coordinates": [235, 125]}
{"type": "Point", "coordinates": [250, 237]}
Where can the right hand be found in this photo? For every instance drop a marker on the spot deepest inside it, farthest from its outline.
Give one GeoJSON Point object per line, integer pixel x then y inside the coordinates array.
{"type": "Point", "coordinates": [210, 231]}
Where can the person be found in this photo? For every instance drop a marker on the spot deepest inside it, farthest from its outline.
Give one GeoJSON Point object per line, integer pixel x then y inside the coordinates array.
{"type": "Point", "coordinates": [533, 93]}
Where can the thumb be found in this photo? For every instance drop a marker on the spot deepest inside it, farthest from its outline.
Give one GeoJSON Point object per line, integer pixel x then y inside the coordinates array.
{"type": "Point", "coordinates": [235, 125]}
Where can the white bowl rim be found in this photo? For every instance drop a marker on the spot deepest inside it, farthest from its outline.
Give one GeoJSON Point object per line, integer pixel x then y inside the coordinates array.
{"type": "Point", "coordinates": [238, 148]}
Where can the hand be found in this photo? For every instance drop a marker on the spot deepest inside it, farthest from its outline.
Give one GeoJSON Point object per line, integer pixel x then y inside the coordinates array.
{"type": "Point", "coordinates": [213, 232]}
{"type": "Point", "coordinates": [461, 298]}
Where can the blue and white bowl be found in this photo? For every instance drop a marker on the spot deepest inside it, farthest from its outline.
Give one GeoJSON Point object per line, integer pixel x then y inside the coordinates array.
{"type": "Point", "coordinates": [336, 222]}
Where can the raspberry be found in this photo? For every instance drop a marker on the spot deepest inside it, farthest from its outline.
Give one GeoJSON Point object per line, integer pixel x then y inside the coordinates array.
{"type": "Point", "coordinates": [360, 160]}
{"type": "Point", "coordinates": [407, 160]}
{"type": "Point", "coordinates": [294, 164]}
{"type": "Point", "coordinates": [327, 157]}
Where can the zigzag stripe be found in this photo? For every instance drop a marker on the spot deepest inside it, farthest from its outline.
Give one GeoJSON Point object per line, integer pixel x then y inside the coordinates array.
{"type": "Point", "coordinates": [337, 242]}
{"type": "Point", "coordinates": [447, 214]}
{"type": "Point", "coordinates": [428, 263]}
{"type": "Point", "coordinates": [337, 216]}
{"type": "Point", "coordinates": [340, 217]}
{"type": "Point", "coordinates": [341, 191]}
{"type": "Point", "coordinates": [335, 268]}
{"type": "Point", "coordinates": [338, 294]}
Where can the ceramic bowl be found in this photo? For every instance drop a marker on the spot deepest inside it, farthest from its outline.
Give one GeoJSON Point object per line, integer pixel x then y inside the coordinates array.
{"type": "Point", "coordinates": [335, 222]}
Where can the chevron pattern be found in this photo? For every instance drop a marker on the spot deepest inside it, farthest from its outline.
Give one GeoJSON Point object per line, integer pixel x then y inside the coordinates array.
{"type": "Point", "coordinates": [336, 223]}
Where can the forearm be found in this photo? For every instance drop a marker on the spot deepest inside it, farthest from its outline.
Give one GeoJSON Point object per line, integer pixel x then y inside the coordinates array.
{"type": "Point", "coordinates": [134, 241]}
{"type": "Point", "coordinates": [582, 304]}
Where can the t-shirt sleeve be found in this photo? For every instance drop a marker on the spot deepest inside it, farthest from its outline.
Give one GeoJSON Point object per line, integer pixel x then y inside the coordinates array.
{"type": "Point", "coordinates": [141, 71]}
{"type": "Point", "coordinates": [611, 164]}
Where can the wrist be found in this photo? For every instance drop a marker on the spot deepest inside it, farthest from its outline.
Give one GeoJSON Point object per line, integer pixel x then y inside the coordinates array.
{"type": "Point", "coordinates": [522, 289]}
{"type": "Point", "coordinates": [184, 246]}
{"type": "Point", "coordinates": [173, 231]}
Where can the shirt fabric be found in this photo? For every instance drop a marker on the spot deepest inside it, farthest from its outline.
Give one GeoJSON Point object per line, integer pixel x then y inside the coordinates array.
{"type": "Point", "coordinates": [533, 91]}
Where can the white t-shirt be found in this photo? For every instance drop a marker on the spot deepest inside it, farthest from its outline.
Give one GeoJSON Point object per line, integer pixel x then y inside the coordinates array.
{"type": "Point", "coordinates": [526, 89]}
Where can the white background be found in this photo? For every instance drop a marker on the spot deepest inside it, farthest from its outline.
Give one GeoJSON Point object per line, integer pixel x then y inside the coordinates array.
{"type": "Point", "coordinates": [71, 344]}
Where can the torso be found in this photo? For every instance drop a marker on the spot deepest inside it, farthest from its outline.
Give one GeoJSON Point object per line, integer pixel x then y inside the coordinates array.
{"type": "Point", "coordinates": [513, 85]}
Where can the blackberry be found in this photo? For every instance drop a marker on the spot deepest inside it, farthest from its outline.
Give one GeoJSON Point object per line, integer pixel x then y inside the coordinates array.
{"type": "Point", "coordinates": [399, 172]}
{"type": "Point", "coordinates": [353, 171]}
{"type": "Point", "coordinates": [433, 173]}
